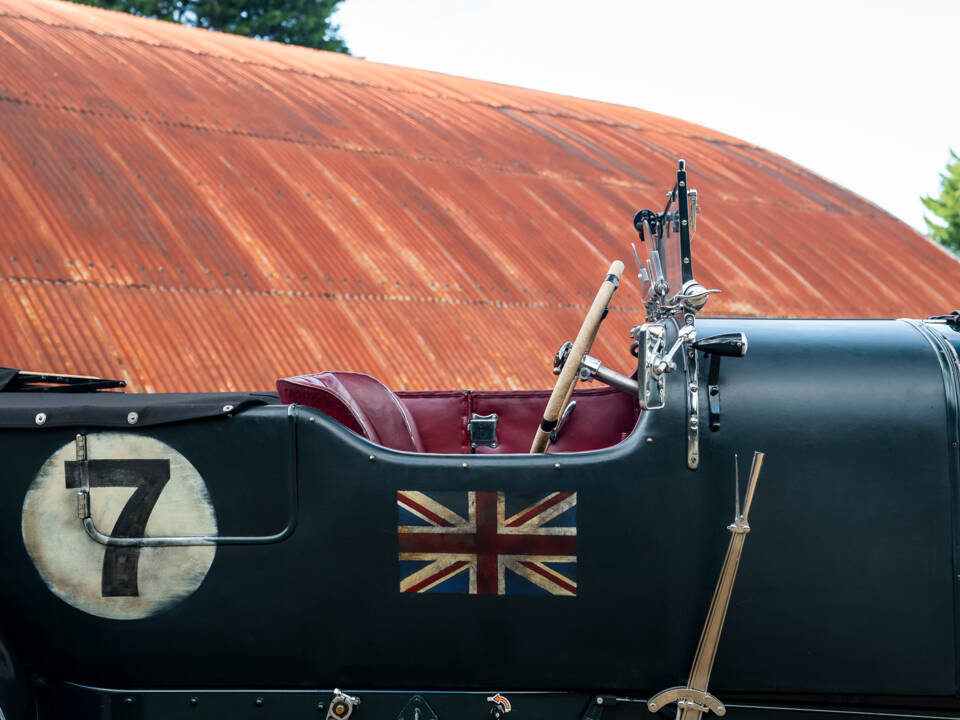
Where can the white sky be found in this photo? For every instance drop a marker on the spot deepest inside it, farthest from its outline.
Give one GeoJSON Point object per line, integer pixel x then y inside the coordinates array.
{"type": "Point", "coordinates": [865, 93]}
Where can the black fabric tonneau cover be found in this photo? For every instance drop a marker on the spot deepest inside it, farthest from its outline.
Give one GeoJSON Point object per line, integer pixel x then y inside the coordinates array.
{"type": "Point", "coordinates": [114, 409]}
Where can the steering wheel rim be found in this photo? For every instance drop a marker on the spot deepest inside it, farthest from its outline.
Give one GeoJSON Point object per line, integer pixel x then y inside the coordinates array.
{"type": "Point", "coordinates": [563, 389]}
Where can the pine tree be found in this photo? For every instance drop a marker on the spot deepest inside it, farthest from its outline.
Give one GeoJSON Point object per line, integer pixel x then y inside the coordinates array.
{"type": "Point", "coordinates": [946, 207]}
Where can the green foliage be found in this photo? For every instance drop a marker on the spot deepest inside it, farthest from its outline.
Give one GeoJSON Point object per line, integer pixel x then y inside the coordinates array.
{"type": "Point", "coordinates": [946, 207]}
{"type": "Point", "coordinates": [298, 22]}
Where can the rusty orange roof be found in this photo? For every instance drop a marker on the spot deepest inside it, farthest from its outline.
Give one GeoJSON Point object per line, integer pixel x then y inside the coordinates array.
{"type": "Point", "coordinates": [191, 210]}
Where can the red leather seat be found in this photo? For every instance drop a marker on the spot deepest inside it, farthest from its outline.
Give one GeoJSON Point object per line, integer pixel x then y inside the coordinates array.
{"type": "Point", "coordinates": [357, 401]}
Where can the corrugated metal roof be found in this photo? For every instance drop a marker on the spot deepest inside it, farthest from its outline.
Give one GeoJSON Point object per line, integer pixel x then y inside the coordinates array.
{"type": "Point", "coordinates": [191, 210]}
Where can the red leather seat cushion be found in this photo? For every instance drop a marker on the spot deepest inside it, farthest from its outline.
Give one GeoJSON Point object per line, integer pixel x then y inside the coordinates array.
{"type": "Point", "coordinates": [358, 402]}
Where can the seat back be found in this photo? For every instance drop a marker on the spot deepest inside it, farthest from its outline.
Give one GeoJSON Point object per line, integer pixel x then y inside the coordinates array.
{"type": "Point", "coordinates": [358, 402]}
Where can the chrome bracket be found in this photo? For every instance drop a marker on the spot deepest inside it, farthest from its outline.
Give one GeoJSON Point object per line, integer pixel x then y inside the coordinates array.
{"type": "Point", "coordinates": [483, 430]}
{"type": "Point", "coordinates": [591, 367]}
{"type": "Point", "coordinates": [652, 343]}
{"type": "Point", "coordinates": [342, 705]}
{"type": "Point", "coordinates": [693, 401]}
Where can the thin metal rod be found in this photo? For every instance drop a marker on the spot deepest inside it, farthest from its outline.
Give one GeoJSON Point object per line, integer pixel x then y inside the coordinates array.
{"type": "Point", "coordinates": [736, 485]}
{"type": "Point", "coordinates": [752, 482]}
{"type": "Point", "coordinates": [293, 509]}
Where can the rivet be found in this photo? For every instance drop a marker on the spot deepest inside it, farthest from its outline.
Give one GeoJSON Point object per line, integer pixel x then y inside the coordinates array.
{"type": "Point", "coordinates": [556, 466]}
{"type": "Point", "coordinates": [194, 701]}
{"type": "Point", "coordinates": [694, 387]}
{"type": "Point", "coordinates": [465, 466]}
{"type": "Point", "coordinates": [649, 441]}
{"type": "Point", "coordinates": [128, 700]}
{"type": "Point", "coordinates": [132, 418]}
{"type": "Point", "coordinates": [258, 702]}
{"type": "Point", "coordinates": [313, 419]}
{"type": "Point", "coordinates": [227, 408]}
{"type": "Point", "coordinates": [41, 418]}
{"type": "Point", "coordinates": [599, 701]}
{"type": "Point", "coordinates": [320, 706]}
{"type": "Point", "coordinates": [694, 422]}
{"type": "Point", "coordinates": [372, 458]}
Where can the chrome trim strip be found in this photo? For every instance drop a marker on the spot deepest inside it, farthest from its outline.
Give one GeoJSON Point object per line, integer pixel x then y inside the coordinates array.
{"type": "Point", "coordinates": [944, 351]}
{"type": "Point", "coordinates": [293, 507]}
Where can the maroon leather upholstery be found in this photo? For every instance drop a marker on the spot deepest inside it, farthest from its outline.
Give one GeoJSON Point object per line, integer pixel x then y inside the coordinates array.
{"type": "Point", "coordinates": [435, 421]}
{"type": "Point", "coordinates": [603, 417]}
{"type": "Point", "coordinates": [441, 417]}
{"type": "Point", "coordinates": [359, 403]}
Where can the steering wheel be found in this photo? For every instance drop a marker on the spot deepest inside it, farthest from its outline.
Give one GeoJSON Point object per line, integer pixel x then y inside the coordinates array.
{"type": "Point", "coordinates": [571, 368]}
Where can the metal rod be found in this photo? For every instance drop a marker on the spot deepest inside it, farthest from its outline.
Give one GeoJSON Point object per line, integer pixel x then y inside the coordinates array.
{"type": "Point", "coordinates": [752, 482]}
{"type": "Point", "coordinates": [293, 508]}
{"type": "Point", "coordinates": [736, 484]}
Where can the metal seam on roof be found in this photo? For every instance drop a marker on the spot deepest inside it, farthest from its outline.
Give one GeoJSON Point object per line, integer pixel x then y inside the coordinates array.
{"type": "Point", "coordinates": [297, 141]}
{"type": "Point", "coordinates": [318, 296]}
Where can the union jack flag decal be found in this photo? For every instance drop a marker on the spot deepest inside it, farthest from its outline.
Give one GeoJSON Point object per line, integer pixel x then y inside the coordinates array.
{"type": "Point", "coordinates": [487, 543]}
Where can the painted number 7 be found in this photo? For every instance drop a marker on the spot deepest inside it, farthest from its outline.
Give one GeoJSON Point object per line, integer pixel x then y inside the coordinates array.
{"type": "Point", "coordinates": [149, 477]}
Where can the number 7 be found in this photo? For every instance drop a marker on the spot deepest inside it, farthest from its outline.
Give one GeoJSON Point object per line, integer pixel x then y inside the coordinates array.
{"type": "Point", "coordinates": [149, 477]}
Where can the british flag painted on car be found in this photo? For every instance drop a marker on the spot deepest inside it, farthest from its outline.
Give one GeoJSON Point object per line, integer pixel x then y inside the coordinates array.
{"type": "Point", "coordinates": [487, 543]}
